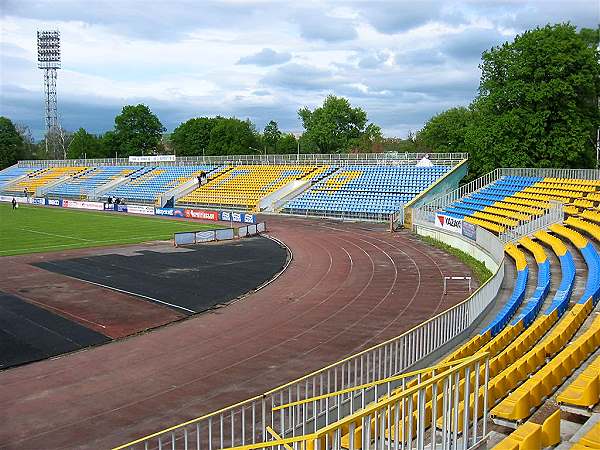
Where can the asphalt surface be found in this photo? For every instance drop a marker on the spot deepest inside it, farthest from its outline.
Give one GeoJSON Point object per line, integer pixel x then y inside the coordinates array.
{"type": "Point", "coordinates": [190, 282]}
{"type": "Point", "coordinates": [29, 333]}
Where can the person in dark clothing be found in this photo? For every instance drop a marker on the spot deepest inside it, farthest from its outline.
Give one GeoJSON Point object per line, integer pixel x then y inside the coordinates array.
{"type": "Point", "coordinates": [14, 203]}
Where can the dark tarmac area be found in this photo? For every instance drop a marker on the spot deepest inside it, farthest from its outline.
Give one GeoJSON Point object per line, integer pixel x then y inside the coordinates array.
{"type": "Point", "coordinates": [29, 333]}
{"type": "Point", "coordinates": [190, 281]}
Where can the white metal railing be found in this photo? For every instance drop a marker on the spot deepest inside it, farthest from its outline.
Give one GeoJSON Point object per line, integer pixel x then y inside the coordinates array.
{"type": "Point", "coordinates": [393, 158]}
{"type": "Point", "coordinates": [247, 422]}
{"type": "Point", "coordinates": [553, 215]}
{"type": "Point", "coordinates": [441, 202]}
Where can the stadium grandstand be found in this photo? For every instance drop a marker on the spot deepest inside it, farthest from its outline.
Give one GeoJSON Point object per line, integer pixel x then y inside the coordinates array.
{"type": "Point", "coordinates": [513, 366]}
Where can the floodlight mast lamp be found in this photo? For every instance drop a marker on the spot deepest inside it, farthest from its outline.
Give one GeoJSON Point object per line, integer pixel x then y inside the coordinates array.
{"type": "Point", "coordinates": [48, 43]}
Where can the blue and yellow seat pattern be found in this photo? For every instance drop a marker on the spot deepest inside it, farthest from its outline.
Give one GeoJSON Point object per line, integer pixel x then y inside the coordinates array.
{"type": "Point", "coordinates": [90, 180]}
{"type": "Point", "coordinates": [372, 190]}
{"type": "Point", "coordinates": [148, 183]}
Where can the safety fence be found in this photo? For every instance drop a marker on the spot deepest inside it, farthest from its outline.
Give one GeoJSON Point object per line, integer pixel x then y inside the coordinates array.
{"type": "Point", "coordinates": [250, 420]}
{"type": "Point", "coordinates": [388, 158]}
{"type": "Point", "coordinates": [218, 234]}
{"type": "Point", "coordinates": [339, 215]}
{"type": "Point", "coordinates": [554, 215]}
{"type": "Point", "coordinates": [397, 420]}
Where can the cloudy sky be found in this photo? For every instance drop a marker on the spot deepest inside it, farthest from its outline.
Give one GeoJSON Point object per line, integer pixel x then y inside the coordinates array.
{"type": "Point", "coordinates": [401, 61]}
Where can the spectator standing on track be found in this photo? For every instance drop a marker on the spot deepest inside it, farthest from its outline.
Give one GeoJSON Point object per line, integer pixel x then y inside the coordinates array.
{"type": "Point", "coordinates": [14, 203]}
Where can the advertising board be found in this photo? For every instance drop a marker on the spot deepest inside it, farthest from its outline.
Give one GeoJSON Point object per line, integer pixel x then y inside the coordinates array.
{"type": "Point", "coordinates": [448, 223]}
{"type": "Point", "coordinates": [172, 212]}
{"type": "Point", "coordinates": [469, 230]}
{"type": "Point", "coordinates": [109, 207]}
{"type": "Point", "coordinates": [53, 202]}
{"type": "Point", "coordinates": [152, 158]}
{"type": "Point", "coordinates": [201, 214]}
{"type": "Point", "coordinates": [83, 205]}
{"type": "Point", "coordinates": [231, 216]}
{"type": "Point", "coordinates": [122, 208]}
{"type": "Point", "coordinates": [140, 209]}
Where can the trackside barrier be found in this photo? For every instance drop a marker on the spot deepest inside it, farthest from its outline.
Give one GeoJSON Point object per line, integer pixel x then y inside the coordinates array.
{"type": "Point", "coordinates": [395, 421]}
{"type": "Point", "coordinates": [247, 422]}
{"type": "Point", "coordinates": [219, 234]}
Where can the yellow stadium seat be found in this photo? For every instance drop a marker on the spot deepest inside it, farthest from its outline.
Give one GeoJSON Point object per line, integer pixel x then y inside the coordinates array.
{"type": "Point", "coordinates": [584, 391]}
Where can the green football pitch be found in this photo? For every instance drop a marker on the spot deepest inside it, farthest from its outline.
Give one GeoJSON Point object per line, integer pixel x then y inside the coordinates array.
{"type": "Point", "coordinates": [33, 229]}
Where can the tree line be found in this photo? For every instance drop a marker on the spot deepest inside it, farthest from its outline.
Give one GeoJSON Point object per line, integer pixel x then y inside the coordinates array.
{"type": "Point", "coordinates": [537, 106]}
{"type": "Point", "coordinates": [334, 127]}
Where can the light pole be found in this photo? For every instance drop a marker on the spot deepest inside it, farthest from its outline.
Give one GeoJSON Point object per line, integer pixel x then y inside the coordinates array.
{"type": "Point", "coordinates": [297, 136]}
{"type": "Point", "coordinates": [256, 150]}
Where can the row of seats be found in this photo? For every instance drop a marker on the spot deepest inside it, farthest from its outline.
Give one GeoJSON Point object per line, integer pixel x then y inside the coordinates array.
{"type": "Point", "coordinates": [365, 189]}
{"type": "Point", "coordinates": [530, 197]}
{"type": "Point", "coordinates": [533, 436]}
{"type": "Point", "coordinates": [87, 182]}
{"type": "Point", "coordinates": [533, 391]}
{"type": "Point", "coordinates": [532, 306]}
{"type": "Point", "coordinates": [244, 186]}
{"type": "Point", "coordinates": [150, 182]}
{"type": "Point", "coordinates": [42, 177]}
{"type": "Point", "coordinates": [509, 308]}
{"type": "Point", "coordinates": [9, 174]}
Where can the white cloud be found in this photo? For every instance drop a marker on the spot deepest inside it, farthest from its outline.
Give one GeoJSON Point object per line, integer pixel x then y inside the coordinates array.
{"type": "Point", "coordinates": [402, 61]}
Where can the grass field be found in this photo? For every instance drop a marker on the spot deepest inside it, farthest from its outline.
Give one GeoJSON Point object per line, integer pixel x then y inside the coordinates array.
{"type": "Point", "coordinates": [33, 229]}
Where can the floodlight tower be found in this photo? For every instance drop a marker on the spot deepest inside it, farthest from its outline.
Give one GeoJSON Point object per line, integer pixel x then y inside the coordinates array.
{"type": "Point", "coordinates": [48, 43]}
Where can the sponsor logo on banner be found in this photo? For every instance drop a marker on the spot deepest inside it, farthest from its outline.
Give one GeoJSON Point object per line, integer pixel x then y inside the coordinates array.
{"type": "Point", "coordinates": [174, 212]}
{"type": "Point", "coordinates": [53, 202]}
{"type": "Point", "coordinates": [83, 205]}
{"type": "Point", "coordinates": [200, 214]}
{"type": "Point", "coordinates": [157, 158]}
{"type": "Point", "coordinates": [164, 211]}
{"type": "Point", "coordinates": [469, 230]}
{"type": "Point", "coordinates": [122, 208]}
{"type": "Point", "coordinates": [448, 223]}
{"type": "Point", "coordinates": [37, 201]}
{"type": "Point", "coordinates": [109, 207]}
{"type": "Point", "coordinates": [5, 198]}
{"type": "Point", "coordinates": [228, 216]}
{"type": "Point", "coordinates": [140, 209]}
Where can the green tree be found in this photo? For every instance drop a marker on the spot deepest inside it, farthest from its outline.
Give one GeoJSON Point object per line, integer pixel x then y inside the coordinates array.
{"type": "Point", "coordinates": [231, 136]}
{"type": "Point", "coordinates": [84, 144]}
{"type": "Point", "coordinates": [445, 132]}
{"type": "Point", "coordinates": [11, 143]}
{"type": "Point", "coordinates": [287, 144]}
{"type": "Point", "coordinates": [336, 126]}
{"type": "Point", "coordinates": [271, 136]}
{"type": "Point", "coordinates": [192, 137]}
{"type": "Point", "coordinates": [137, 131]}
{"type": "Point", "coordinates": [537, 102]}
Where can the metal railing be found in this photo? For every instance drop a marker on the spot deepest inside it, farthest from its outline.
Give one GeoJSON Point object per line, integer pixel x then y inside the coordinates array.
{"type": "Point", "coordinates": [397, 420]}
{"type": "Point", "coordinates": [392, 158]}
{"type": "Point", "coordinates": [553, 215]}
{"type": "Point", "coordinates": [218, 234]}
{"type": "Point", "coordinates": [339, 215]}
{"type": "Point", "coordinates": [248, 421]}
{"type": "Point", "coordinates": [441, 202]}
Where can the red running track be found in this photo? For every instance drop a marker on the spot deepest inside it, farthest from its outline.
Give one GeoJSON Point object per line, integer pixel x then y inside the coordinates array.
{"type": "Point", "coordinates": [349, 286]}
